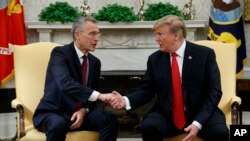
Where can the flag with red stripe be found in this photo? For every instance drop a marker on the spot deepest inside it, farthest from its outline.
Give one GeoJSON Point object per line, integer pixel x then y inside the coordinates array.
{"type": "Point", "coordinates": [12, 31]}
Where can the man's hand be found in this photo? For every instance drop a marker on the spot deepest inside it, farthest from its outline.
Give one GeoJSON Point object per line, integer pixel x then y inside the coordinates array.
{"type": "Point", "coordinates": [77, 117]}
{"type": "Point", "coordinates": [192, 132]}
{"type": "Point", "coordinates": [117, 101]}
{"type": "Point", "coordinates": [104, 97]}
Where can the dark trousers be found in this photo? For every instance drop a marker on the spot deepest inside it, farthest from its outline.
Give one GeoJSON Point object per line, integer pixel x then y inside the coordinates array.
{"type": "Point", "coordinates": [155, 127]}
{"type": "Point", "coordinates": [56, 126]}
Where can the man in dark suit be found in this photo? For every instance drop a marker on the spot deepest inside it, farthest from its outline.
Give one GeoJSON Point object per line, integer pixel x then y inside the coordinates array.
{"type": "Point", "coordinates": [200, 88]}
{"type": "Point", "coordinates": [69, 96]}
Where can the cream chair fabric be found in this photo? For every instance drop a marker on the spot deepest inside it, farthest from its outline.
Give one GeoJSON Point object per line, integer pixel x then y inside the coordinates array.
{"type": "Point", "coordinates": [229, 103]}
{"type": "Point", "coordinates": [226, 59]}
{"type": "Point", "coordinates": [30, 63]}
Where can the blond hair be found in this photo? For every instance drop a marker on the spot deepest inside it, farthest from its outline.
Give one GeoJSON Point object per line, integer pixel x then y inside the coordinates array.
{"type": "Point", "coordinates": [175, 23]}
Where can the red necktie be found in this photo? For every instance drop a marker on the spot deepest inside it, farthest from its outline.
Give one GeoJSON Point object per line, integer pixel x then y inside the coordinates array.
{"type": "Point", "coordinates": [84, 80]}
{"type": "Point", "coordinates": [84, 70]}
{"type": "Point", "coordinates": [178, 104]}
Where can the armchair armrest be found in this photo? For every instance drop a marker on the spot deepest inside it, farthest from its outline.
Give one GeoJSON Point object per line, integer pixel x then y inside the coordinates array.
{"type": "Point", "coordinates": [235, 105]}
{"type": "Point", "coordinates": [17, 104]}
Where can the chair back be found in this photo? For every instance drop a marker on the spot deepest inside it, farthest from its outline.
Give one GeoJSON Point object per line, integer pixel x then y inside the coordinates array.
{"type": "Point", "coordinates": [30, 64]}
{"type": "Point", "coordinates": [226, 59]}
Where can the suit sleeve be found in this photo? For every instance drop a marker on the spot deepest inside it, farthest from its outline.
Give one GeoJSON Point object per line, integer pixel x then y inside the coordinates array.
{"type": "Point", "coordinates": [146, 92]}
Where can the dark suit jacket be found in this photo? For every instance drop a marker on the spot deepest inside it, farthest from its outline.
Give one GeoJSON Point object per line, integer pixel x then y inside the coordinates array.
{"type": "Point", "coordinates": [200, 81]}
{"type": "Point", "coordinates": [63, 88]}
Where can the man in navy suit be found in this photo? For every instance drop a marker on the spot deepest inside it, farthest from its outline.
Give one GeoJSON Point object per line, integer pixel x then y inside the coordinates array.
{"type": "Point", "coordinates": [67, 104]}
{"type": "Point", "coordinates": [200, 84]}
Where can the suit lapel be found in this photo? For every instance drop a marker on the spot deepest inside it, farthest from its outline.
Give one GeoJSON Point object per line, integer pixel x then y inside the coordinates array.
{"type": "Point", "coordinates": [79, 65]}
{"type": "Point", "coordinates": [187, 66]}
{"type": "Point", "coordinates": [188, 60]}
{"type": "Point", "coordinates": [166, 68]}
{"type": "Point", "coordinates": [76, 60]}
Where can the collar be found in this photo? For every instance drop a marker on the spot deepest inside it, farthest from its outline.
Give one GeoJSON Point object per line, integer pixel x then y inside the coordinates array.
{"type": "Point", "coordinates": [181, 50]}
{"type": "Point", "coordinates": [78, 52]}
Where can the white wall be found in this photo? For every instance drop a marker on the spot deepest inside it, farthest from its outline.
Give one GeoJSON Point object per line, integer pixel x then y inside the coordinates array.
{"type": "Point", "coordinates": [33, 8]}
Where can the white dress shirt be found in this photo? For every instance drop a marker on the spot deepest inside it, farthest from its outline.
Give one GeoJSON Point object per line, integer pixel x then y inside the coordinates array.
{"type": "Point", "coordinates": [95, 94]}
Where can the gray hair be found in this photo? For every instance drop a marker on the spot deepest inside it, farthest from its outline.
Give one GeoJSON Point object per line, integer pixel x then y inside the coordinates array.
{"type": "Point", "coordinates": [175, 23]}
{"type": "Point", "coordinates": [79, 23]}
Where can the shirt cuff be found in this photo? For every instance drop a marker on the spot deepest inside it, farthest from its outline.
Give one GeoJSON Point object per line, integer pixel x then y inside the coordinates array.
{"type": "Point", "coordinates": [94, 96]}
{"type": "Point", "coordinates": [196, 123]}
{"type": "Point", "coordinates": [127, 103]}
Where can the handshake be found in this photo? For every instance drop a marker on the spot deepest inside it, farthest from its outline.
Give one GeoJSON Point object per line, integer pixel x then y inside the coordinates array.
{"type": "Point", "coordinates": [115, 99]}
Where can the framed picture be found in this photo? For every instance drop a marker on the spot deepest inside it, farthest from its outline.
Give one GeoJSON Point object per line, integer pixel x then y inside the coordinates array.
{"type": "Point", "coordinates": [247, 11]}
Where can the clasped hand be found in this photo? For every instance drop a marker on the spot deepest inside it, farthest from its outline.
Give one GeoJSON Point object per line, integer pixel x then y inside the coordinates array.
{"type": "Point", "coordinates": [115, 99]}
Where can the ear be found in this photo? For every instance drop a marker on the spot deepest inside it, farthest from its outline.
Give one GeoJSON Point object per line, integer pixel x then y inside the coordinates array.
{"type": "Point", "coordinates": [76, 34]}
{"type": "Point", "coordinates": [176, 36]}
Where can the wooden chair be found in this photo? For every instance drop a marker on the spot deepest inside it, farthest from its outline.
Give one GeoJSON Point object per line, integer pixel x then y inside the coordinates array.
{"type": "Point", "coordinates": [229, 103]}
{"type": "Point", "coordinates": [30, 63]}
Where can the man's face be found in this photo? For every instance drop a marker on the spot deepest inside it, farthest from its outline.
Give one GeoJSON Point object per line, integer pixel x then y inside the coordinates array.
{"type": "Point", "coordinates": [86, 38]}
{"type": "Point", "coordinates": [165, 39]}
